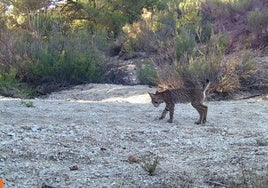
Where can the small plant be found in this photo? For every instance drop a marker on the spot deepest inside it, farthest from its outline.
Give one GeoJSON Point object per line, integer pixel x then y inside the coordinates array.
{"type": "Point", "coordinates": [28, 104]}
{"type": "Point", "coordinates": [149, 163]}
{"type": "Point", "coordinates": [251, 179]}
{"type": "Point", "coordinates": [262, 142]}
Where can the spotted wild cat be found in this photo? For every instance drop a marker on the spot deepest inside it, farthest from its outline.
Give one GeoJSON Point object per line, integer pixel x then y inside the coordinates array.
{"type": "Point", "coordinates": [171, 96]}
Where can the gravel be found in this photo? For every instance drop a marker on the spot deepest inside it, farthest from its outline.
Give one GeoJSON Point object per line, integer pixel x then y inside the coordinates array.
{"type": "Point", "coordinates": [85, 136]}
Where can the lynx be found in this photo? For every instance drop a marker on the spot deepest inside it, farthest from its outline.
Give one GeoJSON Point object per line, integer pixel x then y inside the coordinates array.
{"type": "Point", "coordinates": [195, 96]}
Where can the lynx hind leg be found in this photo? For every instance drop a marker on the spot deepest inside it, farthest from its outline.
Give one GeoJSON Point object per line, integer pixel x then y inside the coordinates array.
{"type": "Point", "coordinates": [202, 110]}
{"type": "Point", "coordinates": [205, 115]}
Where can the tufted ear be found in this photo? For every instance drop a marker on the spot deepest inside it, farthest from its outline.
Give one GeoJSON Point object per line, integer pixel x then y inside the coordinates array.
{"type": "Point", "coordinates": [151, 94]}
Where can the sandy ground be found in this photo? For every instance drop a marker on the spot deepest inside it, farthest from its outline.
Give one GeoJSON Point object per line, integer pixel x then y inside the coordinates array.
{"type": "Point", "coordinates": [83, 137]}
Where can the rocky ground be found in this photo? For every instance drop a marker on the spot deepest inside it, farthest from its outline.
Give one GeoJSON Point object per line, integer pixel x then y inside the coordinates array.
{"type": "Point", "coordinates": [83, 137]}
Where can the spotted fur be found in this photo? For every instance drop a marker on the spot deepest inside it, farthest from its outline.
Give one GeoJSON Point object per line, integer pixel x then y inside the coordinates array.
{"type": "Point", "coordinates": [172, 96]}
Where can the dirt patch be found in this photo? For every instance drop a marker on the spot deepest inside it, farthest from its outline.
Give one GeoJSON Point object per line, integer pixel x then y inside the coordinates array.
{"type": "Point", "coordinates": [83, 137]}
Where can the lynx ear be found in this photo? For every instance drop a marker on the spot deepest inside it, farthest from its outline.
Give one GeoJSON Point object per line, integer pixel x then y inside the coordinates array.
{"type": "Point", "coordinates": [152, 95]}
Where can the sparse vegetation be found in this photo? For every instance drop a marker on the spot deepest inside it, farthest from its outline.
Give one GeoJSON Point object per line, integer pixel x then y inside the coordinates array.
{"type": "Point", "coordinates": [28, 104]}
{"type": "Point", "coordinates": [262, 142]}
{"type": "Point", "coordinates": [251, 179]}
{"type": "Point", "coordinates": [149, 163]}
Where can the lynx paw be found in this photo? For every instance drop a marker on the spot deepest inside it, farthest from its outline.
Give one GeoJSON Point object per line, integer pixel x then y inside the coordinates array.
{"type": "Point", "coordinates": [197, 122]}
{"type": "Point", "coordinates": [170, 121]}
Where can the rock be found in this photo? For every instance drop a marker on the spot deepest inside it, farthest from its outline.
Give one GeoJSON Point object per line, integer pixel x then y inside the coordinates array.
{"type": "Point", "coordinates": [133, 159]}
{"type": "Point", "coordinates": [74, 167]}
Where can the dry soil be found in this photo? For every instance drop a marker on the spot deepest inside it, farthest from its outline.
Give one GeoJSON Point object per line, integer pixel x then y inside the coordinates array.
{"type": "Point", "coordinates": [82, 137]}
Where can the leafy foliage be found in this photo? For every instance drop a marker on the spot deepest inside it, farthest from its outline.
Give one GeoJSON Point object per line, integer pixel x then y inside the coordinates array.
{"type": "Point", "coordinates": [146, 73]}
{"type": "Point", "coordinates": [10, 86]}
{"type": "Point", "coordinates": [200, 53]}
{"type": "Point", "coordinates": [71, 59]}
{"type": "Point", "coordinates": [69, 40]}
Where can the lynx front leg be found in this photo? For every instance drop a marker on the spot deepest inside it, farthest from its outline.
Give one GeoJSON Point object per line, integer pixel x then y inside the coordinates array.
{"type": "Point", "coordinates": [171, 112]}
{"type": "Point", "coordinates": [164, 113]}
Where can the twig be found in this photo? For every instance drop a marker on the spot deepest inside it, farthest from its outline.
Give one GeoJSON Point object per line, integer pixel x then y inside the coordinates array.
{"type": "Point", "coordinates": [248, 97]}
{"type": "Point", "coordinates": [216, 183]}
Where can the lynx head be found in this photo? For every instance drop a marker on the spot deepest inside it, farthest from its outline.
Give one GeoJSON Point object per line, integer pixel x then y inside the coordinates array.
{"type": "Point", "coordinates": [156, 99]}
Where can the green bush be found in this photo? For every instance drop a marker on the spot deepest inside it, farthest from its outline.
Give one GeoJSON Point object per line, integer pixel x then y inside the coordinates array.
{"type": "Point", "coordinates": [72, 59]}
{"type": "Point", "coordinates": [11, 87]}
{"type": "Point", "coordinates": [185, 43]}
{"type": "Point", "coordinates": [146, 73]}
{"type": "Point", "coordinates": [257, 24]}
{"type": "Point", "coordinates": [69, 58]}
{"type": "Point", "coordinates": [196, 61]}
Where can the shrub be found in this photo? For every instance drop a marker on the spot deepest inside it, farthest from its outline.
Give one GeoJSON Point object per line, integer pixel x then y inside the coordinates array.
{"type": "Point", "coordinates": [49, 49]}
{"type": "Point", "coordinates": [146, 73]}
{"type": "Point", "coordinates": [246, 21]}
{"type": "Point", "coordinates": [257, 24]}
{"type": "Point", "coordinates": [11, 87]}
{"type": "Point", "coordinates": [201, 63]}
{"type": "Point", "coordinates": [185, 43]}
{"type": "Point", "coordinates": [72, 59]}
{"type": "Point", "coordinates": [209, 61]}
{"type": "Point", "coordinates": [139, 37]}
{"type": "Point", "coordinates": [235, 69]}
